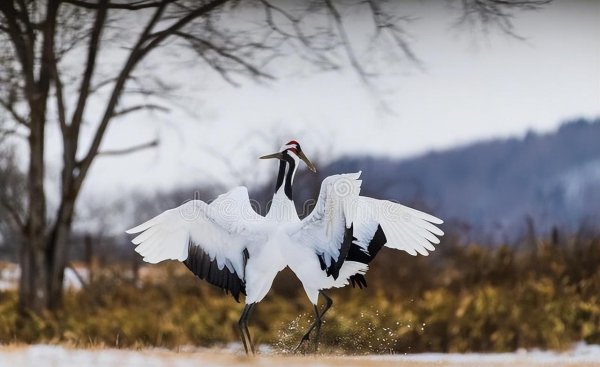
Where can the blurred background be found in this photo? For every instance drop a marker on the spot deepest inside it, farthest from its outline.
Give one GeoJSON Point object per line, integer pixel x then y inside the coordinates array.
{"type": "Point", "coordinates": [483, 113]}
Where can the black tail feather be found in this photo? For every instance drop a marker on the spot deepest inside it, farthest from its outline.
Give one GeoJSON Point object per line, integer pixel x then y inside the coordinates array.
{"type": "Point", "coordinates": [358, 280]}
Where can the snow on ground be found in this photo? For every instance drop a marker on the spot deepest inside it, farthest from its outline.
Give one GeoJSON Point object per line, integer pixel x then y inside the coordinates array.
{"type": "Point", "coordinates": [10, 274]}
{"type": "Point", "coordinates": [58, 356]}
{"type": "Point", "coordinates": [580, 355]}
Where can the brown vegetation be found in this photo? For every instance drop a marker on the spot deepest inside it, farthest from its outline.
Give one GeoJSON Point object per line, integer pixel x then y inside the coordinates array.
{"type": "Point", "coordinates": [462, 298]}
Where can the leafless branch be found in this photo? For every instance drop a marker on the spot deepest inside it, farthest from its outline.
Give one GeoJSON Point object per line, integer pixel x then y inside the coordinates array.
{"type": "Point", "coordinates": [201, 45]}
{"type": "Point", "coordinates": [79, 277]}
{"type": "Point", "coordinates": [60, 102]}
{"type": "Point", "coordinates": [346, 41]}
{"type": "Point", "coordinates": [73, 29]}
{"type": "Point", "coordinates": [146, 43]}
{"type": "Point", "coordinates": [4, 133]}
{"type": "Point", "coordinates": [318, 52]}
{"type": "Point", "coordinates": [119, 84]}
{"type": "Point", "coordinates": [131, 109]}
{"type": "Point", "coordinates": [495, 13]}
{"type": "Point", "coordinates": [90, 65]}
{"type": "Point", "coordinates": [14, 213]}
{"type": "Point", "coordinates": [386, 22]}
{"type": "Point", "coordinates": [132, 5]}
{"type": "Point", "coordinates": [8, 106]}
{"type": "Point", "coordinates": [523, 4]}
{"type": "Point", "coordinates": [156, 38]}
{"type": "Point", "coordinates": [133, 149]}
{"type": "Point", "coordinates": [23, 46]}
{"type": "Point", "coordinates": [107, 82]}
{"type": "Point", "coordinates": [23, 16]}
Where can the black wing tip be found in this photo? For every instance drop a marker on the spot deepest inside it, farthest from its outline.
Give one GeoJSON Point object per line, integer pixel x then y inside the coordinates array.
{"type": "Point", "coordinates": [203, 267]}
{"type": "Point", "coordinates": [236, 295]}
{"type": "Point", "coordinates": [356, 253]}
{"type": "Point", "coordinates": [334, 268]}
{"type": "Point", "coordinates": [358, 280]}
{"type": "Point", "coordinates": [322, 263]}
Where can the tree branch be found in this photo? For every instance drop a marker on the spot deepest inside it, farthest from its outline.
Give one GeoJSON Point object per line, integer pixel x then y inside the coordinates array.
{"type": "Point", "coordinates": [496, 13]}
{"type": "Point", "coordinates": [24, 17]}
{"type": "Point", "coordinates": [47, 57]}
{"type": "Point", "coordinates": [384, 22]}
{"type": "Point", "coordinates": [133, 149]}
{"type": "Point", "coordinates": [60, 102]}
{"type": "Point", "coordinates": [22, 47]}
{"type": "Point", "coordinates": [84, 283]}
{"type": "Point", "coordinates": [346, 41]}
{"type": "Point", "coordinates": [18, 118]}
{"type": "Point", "coordinates": [106, 82]}
{"type": "Point", "coordinates": [131, 109]}
{"type": "Point", "coordinates": [158, 37]}
{"type": "Point", "coordinates": [10, 132]}
{"type": "Point", "coordinates": [133, 5]}
{"type": "Point", "coordinates": [89, 68]}
{"type": "Point", "coordinates": [298, 33]}
{"type": "Point", "coordinates": [222, 51]}
{"type": "Point", "coordinates": [14, 213]}
{"type": "Point", "coordinates": [141, 48]}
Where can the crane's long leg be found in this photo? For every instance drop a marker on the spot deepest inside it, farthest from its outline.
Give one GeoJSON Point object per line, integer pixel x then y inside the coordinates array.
{"type": "Point", "coordinates": [317, 323]}
{"type": "Point", "coordinates": [328, 304]}
{"type": "Point", "coordinates": [306, 336]}
{"type": "Point", "coordinates": [244, 332]}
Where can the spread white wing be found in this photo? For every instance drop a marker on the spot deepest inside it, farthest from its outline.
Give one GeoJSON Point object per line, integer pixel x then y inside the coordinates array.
{"type": "Point", "coordinates": [211, 239]}
{"type": "Point", "coordinates": [404, 228]}
{"type": "Point", "coordinates": [327, 228]}
{"type": "Point", "coordinates": [345, 226]}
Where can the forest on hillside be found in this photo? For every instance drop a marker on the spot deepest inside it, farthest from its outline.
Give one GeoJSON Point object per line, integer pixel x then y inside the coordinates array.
{"type": "Point", "coordinates": [498, 189]}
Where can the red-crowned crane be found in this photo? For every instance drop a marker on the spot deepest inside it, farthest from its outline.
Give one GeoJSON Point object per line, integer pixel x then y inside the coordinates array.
{"type": "Point", "coordinates": [231, 246]}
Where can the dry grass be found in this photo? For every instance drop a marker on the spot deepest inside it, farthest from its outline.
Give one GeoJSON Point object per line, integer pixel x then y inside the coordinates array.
{"type": "Point", "coordinates": [465, 299]}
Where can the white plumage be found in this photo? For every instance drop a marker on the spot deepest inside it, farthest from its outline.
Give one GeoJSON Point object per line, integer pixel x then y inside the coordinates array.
{"type": "Point", "coordinates": [222, 228]}
{"type": "Point", "coordinates": [228, 244]}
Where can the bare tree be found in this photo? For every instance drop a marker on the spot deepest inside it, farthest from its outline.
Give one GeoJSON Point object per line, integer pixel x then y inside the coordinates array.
{"type": "Point", "coordinates": [50, 72]}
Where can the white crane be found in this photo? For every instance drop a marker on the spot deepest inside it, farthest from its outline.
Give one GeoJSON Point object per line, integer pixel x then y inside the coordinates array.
{"type": "Point", "coordinates": [231, 246]}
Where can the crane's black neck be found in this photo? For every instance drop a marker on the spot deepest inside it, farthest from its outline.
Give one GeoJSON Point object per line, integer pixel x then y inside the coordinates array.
{"type": "Point", "coordinates": [289, 163]}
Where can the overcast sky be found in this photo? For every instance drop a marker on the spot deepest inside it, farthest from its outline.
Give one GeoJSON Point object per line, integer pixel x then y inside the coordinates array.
{"type": "Point", "coordinates": [469, 88]}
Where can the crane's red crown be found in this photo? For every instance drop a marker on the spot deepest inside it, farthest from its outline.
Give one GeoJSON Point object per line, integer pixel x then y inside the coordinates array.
{"type": "Point", "coordinates": [293, 146]}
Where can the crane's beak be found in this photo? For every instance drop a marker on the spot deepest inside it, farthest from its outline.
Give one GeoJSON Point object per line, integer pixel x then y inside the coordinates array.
{"type": "Point", "coordinates": [272, 156]}
{"type": "Point", "coordinates": [308, 163]}
{"type": "Point", "coordinates": [300, 155]}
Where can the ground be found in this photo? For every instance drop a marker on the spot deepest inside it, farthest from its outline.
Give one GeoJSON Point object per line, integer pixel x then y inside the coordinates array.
{"type": "Point", "coordinates": [58, 356]}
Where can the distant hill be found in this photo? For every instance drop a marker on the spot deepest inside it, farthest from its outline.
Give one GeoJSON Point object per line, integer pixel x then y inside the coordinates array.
{"type": "Point", "coordinates": [493, 186]}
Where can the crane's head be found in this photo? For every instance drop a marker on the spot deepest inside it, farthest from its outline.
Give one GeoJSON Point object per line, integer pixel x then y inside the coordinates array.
{"type": "Point", "coordinates": [291, 149]}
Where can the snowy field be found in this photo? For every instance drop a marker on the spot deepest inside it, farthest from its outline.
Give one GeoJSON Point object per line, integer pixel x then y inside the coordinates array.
{"type": "Point", "coordinates": [57, 356]}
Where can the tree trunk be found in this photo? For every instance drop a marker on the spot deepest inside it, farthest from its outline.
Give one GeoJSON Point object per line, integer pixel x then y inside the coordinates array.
{"type": "Point", "coordinates": [59, 251]}
{"type": "Point", "coordinates": [43, 261]}
{"type": "Point", "coordinates": [36, 255]}
{"type": "Point", "coordinates": [33, 291]}
{"type": "Point", "coordinates": [44, 258]}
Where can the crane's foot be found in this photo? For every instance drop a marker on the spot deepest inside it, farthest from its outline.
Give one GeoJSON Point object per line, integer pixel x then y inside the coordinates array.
{"type": "Point", "coordinates": [318, 336]}
{"type": "Point", "coordinates": [316, 324]}
{"type": "Point", "coordinates": [304, 340]}
{"type": "Point", "coordinates": [244, 332]}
